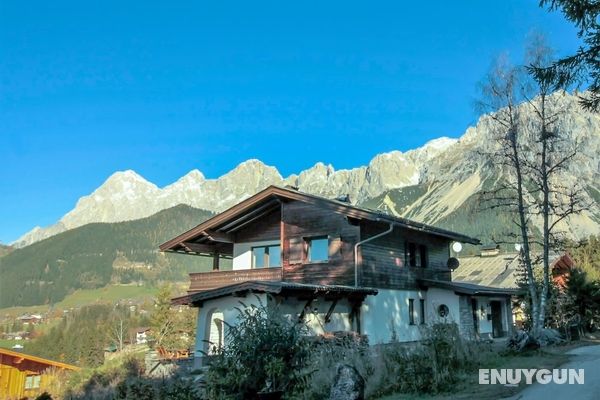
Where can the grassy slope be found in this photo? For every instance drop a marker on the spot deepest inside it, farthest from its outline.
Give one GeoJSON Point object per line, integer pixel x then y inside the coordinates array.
{"type": "Point", "coordinates": [82, 258]}
{"type": "Point", "coordinates": [107, 294]}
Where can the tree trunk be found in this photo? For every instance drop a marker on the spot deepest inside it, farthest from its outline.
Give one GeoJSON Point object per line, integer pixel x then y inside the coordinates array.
{"type": "Point", "coordinates": [524, 232]}
{"type": "Point", "coordinates": [545, 213]}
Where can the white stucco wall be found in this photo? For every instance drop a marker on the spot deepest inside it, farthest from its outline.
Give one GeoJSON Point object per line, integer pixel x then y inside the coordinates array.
{"type": "Point", "coordinates": [227, 306]}
{"type": "Point", "coordinates": [437, 297]}
{"type": "Point", "coordinates": [388, 312]}
{"type": "Point", "coordinates": [242, 253]}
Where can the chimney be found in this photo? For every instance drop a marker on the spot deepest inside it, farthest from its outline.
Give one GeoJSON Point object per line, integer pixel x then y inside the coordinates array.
{"type": "Point", "coordinates": [490, 250]}
{"type": "Point", "coordinates": [345, 198]}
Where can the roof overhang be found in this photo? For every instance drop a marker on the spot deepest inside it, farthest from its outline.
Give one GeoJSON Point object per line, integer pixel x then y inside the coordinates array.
{"type": "Point", "coordinates": [50, 363]}
{"type": "Point", "coordinates": [217, 231]}
{"type": "Point", "coordinates": [470, 289]}
{"type": "Point", "coordinates": [275, 288]}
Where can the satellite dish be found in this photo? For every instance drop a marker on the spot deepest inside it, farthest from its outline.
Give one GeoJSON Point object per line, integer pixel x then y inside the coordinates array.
{"type": "Point", "coordinates": [453, 263]}
{"type": "Point", "coordinates": [518, 247]}
{"type": "Point", "coordinates": [457, 247]}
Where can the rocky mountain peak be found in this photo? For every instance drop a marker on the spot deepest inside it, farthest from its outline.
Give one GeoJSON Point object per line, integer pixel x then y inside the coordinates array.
{"type": "Point", "coordinates": [192, 179]}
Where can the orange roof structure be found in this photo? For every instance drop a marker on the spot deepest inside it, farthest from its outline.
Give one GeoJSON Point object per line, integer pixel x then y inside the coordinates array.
{"type": "Point", "coordinates": [23, 376]}
{"type": "Point", "coordinates": [22, 356]}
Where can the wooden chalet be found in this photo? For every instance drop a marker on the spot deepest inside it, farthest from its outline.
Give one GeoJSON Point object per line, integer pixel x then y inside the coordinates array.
{"type": "Point", "coordinates": [24, 376]}
{"type": "Point", "coordinates": [337, 266]}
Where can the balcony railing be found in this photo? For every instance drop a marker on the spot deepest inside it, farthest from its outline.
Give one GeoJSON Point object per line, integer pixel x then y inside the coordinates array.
{"type": "Point", "coordinates": [210, 280]}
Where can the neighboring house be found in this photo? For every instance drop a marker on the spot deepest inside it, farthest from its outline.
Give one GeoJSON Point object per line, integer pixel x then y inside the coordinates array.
{"type": "Point", "coordinates": [28, 319]}
{"type": "Point", "coordinates": [337, 266]}
{"type": "Point", "coordinates": [26, 376]}
{"type": "Point", "coordinates": [141, 335]}
{"type": "Point", "coordinates": [501, 270]}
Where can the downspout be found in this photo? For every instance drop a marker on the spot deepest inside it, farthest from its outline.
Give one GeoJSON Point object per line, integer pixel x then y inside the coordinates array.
{"type": "Point", "coordinates": [389, 230]}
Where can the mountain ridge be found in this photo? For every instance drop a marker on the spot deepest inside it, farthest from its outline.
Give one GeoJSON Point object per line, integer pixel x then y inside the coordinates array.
{"type": "Point", "coordinates": [126, 195]}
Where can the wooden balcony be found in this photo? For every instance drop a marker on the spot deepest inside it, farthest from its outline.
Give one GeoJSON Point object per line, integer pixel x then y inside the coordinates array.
{"type": "Point", "coordinates": [209, 280]}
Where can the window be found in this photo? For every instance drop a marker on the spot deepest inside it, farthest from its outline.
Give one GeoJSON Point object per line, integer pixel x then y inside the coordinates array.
{"type": "Point", "coordinates": [423, 254]}
{"type": "Point", "coordinates": [411, 311]}
{"type": "Point", "coordinates": [266, 256]}
{"type": "Point", "coordinates": [443, 310]}
{"type": "Point", "coordinates": [422, 311]}
{"type": "Point", "coordinates": [412, 254]}
{"type": "Point", "coordinates": [32, 381]}
{"type": "Point", "coordinates": [416, 255]}
{"type": "Point", "coordinates": [317, 249]}
{"type": "Point", "coordinates": [215, 331]}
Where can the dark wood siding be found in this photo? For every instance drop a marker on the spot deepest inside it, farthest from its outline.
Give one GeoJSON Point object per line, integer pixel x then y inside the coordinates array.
{"type": "Point", "coordinates": [265, 228]}
{"type": "Point", "coordinates": [301, 221]}
{"type": "Point", "coordinates": [383, 263]}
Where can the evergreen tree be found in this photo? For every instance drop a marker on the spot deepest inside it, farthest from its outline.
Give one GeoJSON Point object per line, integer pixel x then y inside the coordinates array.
{"type": "Point", "coordinates": [584, 65]}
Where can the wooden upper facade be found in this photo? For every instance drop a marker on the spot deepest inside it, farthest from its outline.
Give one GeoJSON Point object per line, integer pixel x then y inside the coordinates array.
{"type": "Point", "coordinates": [312, 240]}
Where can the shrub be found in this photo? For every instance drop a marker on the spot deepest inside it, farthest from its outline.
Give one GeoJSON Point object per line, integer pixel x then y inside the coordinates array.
{"type": "Point", "coordinates": [429, 366]}
{"type": "Point", "coordinates": [264, 351]}
{"type": "Point", "coordinates": [125, 381]}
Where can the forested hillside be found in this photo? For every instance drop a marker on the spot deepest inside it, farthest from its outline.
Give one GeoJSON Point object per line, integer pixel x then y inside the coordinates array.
{"type": "Point", "coordinates": [94, 255]}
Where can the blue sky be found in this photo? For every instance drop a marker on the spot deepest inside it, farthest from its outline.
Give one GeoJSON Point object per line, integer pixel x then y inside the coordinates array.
{"type": "Point", "coordinates": [88, 88]}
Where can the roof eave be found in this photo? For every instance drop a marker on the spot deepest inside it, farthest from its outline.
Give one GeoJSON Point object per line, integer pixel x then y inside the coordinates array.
{"type": "Point", "coordinates": [347, 209]}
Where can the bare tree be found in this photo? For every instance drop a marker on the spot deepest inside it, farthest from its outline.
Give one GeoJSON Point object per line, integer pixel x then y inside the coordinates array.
{"type": "Point", "coordinates": [118, 332]}
{"type": "Point", "coordinates": [553, 152]}
{"type": "Point", "coordinates": [501, 98]}
{"type": "Point", "coordinates": [534, 153]}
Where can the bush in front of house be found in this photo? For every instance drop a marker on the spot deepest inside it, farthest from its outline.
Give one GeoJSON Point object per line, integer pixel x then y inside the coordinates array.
{"type": "Point", "coordinates": [264, 352]}
{"type": "Point", "coordinates": [327, 354]}
{"type": "Point", "coordinates": [442, 358]}
{"type": "Point", "coordinates": [430, 366]}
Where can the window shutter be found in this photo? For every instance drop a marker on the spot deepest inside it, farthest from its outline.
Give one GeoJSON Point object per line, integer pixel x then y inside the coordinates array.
{"type": "Point", "coordinates": [296, 250]}
{"type": "Point", "coordinates": [335, 248]}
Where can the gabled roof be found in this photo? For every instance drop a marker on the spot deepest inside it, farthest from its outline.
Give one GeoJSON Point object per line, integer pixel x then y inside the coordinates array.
{"type": "Point", "coordinates": [497, 271]}
{"type": "Point", "coordinates": [469, 288]}
{"type": "Point", "coordinates": [40, 360]}
{"type": "Point", "coordinates": [272, 287]}
{"type": "Point", "coordinates": [216, 229]}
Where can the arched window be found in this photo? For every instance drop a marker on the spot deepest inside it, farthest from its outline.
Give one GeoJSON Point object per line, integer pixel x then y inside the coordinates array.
{"type": "Point", "coordinates": [215, 331]}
